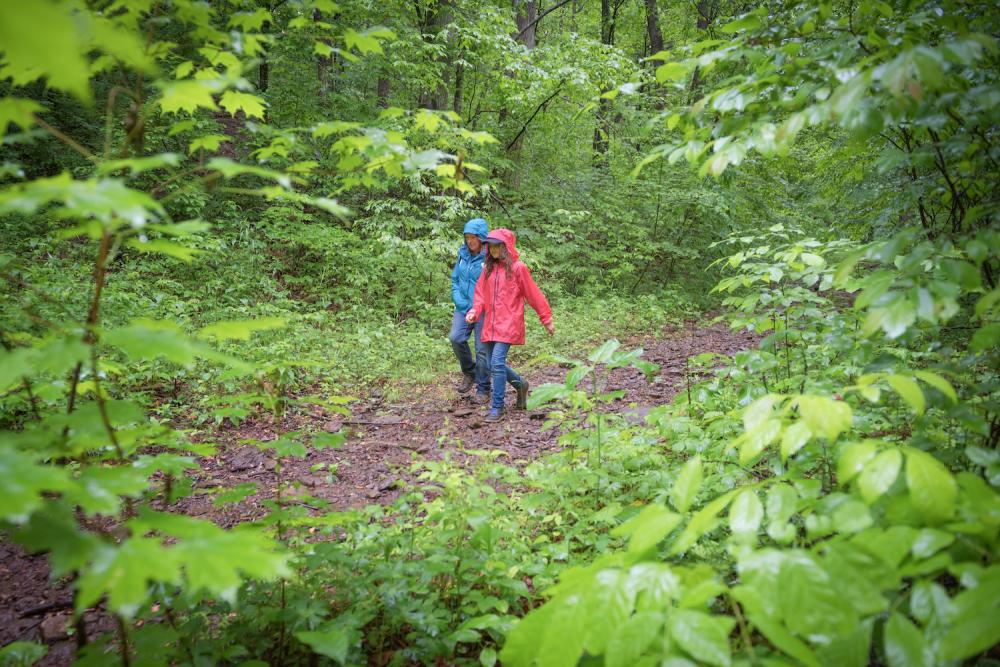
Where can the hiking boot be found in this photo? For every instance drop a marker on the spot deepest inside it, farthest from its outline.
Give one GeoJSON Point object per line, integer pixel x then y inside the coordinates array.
{"type": "Point", "coordinates": [468, 381]}
{"type": "Point", "coordinates": [481, 399]}
{"type": "Point", "coordinates": [494, 416]}
{"type": "Point", "coordinates": [522, 396]}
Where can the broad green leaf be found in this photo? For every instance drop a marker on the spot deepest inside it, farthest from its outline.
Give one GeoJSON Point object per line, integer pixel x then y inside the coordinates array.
{"type": "Point", "coordinates": [986, 338]}
{"type": "Point", "coordinates": [24, 482]}
{"type": "Point", "coordinates": [671, 72]}
{"type": "Point", "coordinates": [189, 95]}
{"type": "Point", "coordinates": [685, 488]}
{"type": "Point", "coordinates": [252, 106]}
{"type": "Point", "coordinates": [879, 474]}
{"type": "Point", "coordinates": [41, 40]}
{"type": "Point", "coordinates": [939, 383]}
{"type": "Point", "coordinates": [704, 637]}
{"type": "Point", "coordinates": [603, 353]}
{"type": "Point", "coordinates": [17, 111]}
{"type": "Point", "coordinates": [22, 654]}
{"type": "Point", "coordinates": [648, 528]}
{"type": "Point", "coordinates": [932, 487]}
{"type": "Point", "coordinates": [853, 457]}
{"type": "Point", "coordinates": [794, 438]}
{"type": "Point", "coordinates": [824, 416]}
{"type": "Point", "coordinates": [139, 165]}
{"type": "Point", "coordinates": [99, 490]}
{"type": "Point", "coordinates": [783, 639]}
{"type": "Point", "coordinates": [909, 391]}
{"type": "Point", "coordinates": [546, 393]}
{"type": "Point", "coordinates": [633, 638]}
{"type": "Point", "coordinates": [748, 22]}
{"type": "Point", "coordinates": [332, 641]}
{"type": "Point", "coordinates": [124, 573]}
{"type": "Point", "coordinates": [209, 142]}
{"type": "Point", "coordinates": [971, 637]}
{"type": "Point", "coordinates": [702, 522]}
{"type": "Point", "coordinates": [240, 329]}
{"type": "Point", "coordinates": [746, 514]}
{"type": "Point", "coordinates": [161, 247]}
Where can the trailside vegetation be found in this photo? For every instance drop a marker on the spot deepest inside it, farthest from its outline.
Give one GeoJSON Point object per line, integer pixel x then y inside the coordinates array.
{"type": "Point", "coordinates": [215, 213]}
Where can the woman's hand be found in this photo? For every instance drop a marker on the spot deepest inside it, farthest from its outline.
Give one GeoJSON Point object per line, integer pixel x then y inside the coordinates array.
{"type": "Point", "coordinates": [551, 328]}
{"type": "Point", "coordinates": [470, 317]}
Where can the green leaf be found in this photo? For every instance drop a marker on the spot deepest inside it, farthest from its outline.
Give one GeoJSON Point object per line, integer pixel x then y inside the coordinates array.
{"type": "Point", "coordinates": [932, 487]}
{"type": "Point", "coordinates": [909, 391]}
{"type": "Point", "coordinates": [671, 72]}
{"type": "Point", "coordinates": [209, 142]}
{"type": "Point", "coordinates": [240, 329]}
{"type": "Point", "coordinates": [746, 514]}
{"type": "Point", "coordinates": [986, 338]}
{"type": "Point", "coordinates": [702, 522]}
{"type": "Point", "coordinates": [633, 638]}
{"type": "Point", "coordinates": [99, 489]}
{"type": "Point", "coordinates": [794, 438]}
{"type": "Point", "coordinates": [161, 247]}
{"type": "Point", "coordinates": [139, 165]}
{"type": "Point", "coordinates": [704, 637]}
{"type": "Point", "coordinates": [17, 111]}
{"type": "Point", "coordinates": [546, 393]}
{"type": "Point", "coordinates": [648, 528]}
{"type": "Point", "coordinates": [853, 457]}
{"type": "Point", "coordinates": [879, 474]}
{"type": "Point", "coordinates": [252, 106]}
{"type": "Point", "coordinates": [24, 482]}
{"type": "Point", "coordinates": [368, 41]}
{"type": "Point", "coordinates": [939, 383]}
{"type": "Point", "coordinates": [41, 40]}
{"type": "Point", "coordinates": [783, 640]}
{"type": "Point", "coordinates": [333, 641]}
{"type": "Point", "coordinates": [22, 654]}
{"type": "Point", "coordinates": [748, 22]}
{"type": "Point", "coordinates": [686, 486]}
{"type": "Point", "coordinates": [824, 416]}
{"type": "Point", "coordinates": [603, 353]}
{"type": "Point", "coordinates": [124, 573]}
{"type": "Point", "coordinates": [189, 95]}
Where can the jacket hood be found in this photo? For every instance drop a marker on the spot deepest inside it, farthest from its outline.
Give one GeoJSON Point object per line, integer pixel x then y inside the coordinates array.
{"type": "Point", "coordinates": [509, 239]}
{"type": "Point", "coordinates": [477, 226]}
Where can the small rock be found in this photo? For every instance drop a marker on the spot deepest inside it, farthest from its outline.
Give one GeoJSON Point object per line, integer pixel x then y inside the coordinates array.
{"type": "Point", "coordinates": [270, 464]}
{"type": "Point", "coordinates": [333, 426]}
{"type": "Point", "coordinates": [53, 628]}
{"type": "Point", "coordinates": [373, 493]}
{"type": "Point", "coordinates": [463, 412]}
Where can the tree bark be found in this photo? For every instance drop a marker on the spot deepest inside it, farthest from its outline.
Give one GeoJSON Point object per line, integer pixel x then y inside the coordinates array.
{"type": "Point", "coordinates": [383, 92]}
{"type": "Point", "coordinates": [456, 104]}
{"type": "Point", "coordinates": [602, 128]}
{"type": "Point", "coordinates": [653, 27]}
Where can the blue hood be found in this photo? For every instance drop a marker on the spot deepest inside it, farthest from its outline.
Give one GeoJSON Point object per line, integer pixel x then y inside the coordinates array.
{"type": "Point", "coordinates": [478, 227]}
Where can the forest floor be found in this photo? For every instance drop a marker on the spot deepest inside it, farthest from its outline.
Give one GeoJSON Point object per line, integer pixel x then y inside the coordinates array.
{"type": "Point", "coordinates": [371, 466]}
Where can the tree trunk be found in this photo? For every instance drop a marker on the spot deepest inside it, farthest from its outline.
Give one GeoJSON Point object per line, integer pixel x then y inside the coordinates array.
{"type": "Point", "coordinates": [456, 104]}
{"type": "Point", "coordinates": [525, 15]}
{"type": "Point", "coordinates": [602, 128]}
{"type": "Point", "coordinates": [383, 92]}
{"type": "Point", "coordinates": [263, 73]}
{"type": "Point", "coordinates": [653, 28]}
{"type": "Point", "coordinates": [707, 10]}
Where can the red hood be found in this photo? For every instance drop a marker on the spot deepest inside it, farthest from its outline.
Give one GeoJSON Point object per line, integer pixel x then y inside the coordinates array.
{"type": "Point", "coordinates": [508, 239]}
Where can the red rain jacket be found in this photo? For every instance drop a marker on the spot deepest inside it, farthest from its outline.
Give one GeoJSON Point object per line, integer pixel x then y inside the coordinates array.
{"type": "Point", "coordinates": [500, 299]}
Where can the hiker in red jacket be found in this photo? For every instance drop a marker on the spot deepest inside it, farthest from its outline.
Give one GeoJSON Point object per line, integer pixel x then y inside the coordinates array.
{"type": "Point", "coordinates": [501, 291]}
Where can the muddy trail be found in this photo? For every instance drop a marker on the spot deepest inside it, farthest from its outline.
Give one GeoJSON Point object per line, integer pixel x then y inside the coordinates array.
{"type": "Point", "coordinates": [371, 466]}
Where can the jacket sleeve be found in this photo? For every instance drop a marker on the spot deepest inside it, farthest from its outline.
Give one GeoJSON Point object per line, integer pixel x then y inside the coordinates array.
{"type": "Point", "coordinates": [479, 297]}
{"type": "Point", "coordinates": [456, 289]}
{"type": "Point", "coordinates": [533, 295]}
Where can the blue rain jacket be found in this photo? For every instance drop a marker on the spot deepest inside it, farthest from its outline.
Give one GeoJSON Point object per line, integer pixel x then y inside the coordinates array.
{"type": "Point", "coordinates": [468, 267]}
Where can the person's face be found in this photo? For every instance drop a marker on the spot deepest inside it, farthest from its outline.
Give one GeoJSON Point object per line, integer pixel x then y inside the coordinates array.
{"type": "Point", "coordinates": [496, 250]}
{"type": "Point", "coordinates": [475, 245]}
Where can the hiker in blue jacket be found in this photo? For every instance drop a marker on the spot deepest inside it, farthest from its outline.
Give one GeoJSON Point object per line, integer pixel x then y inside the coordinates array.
{"type": "Point", "coordinates": [463, 284]}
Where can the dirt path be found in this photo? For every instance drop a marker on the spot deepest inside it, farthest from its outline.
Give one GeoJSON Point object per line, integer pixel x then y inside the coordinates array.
{"type": "Point", "coordinates": [385, 439]}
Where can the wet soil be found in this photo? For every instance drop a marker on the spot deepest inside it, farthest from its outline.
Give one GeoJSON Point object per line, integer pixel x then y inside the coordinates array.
{"type": "Point", "coordinates": [371, 465]}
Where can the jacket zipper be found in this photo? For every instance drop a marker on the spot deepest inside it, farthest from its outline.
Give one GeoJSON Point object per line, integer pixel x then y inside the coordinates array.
{"type": "Point", "coordinates": [494, 322]}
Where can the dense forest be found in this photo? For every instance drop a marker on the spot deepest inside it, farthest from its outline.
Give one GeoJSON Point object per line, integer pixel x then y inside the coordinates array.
{"type": "Point", "coordinates": [766, 430]}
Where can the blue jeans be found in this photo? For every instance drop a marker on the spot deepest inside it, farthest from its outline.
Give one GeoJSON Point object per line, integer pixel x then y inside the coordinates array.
{"type": "Point", "coordinates": [459, 337]}
{"type": "Point", "coordinates": [501, 372]}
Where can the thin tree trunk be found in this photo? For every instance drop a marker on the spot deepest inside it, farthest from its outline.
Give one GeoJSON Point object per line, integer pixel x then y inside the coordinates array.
{"type": "Point", "coordinates": [383, 92]}
{"type": "Point", "coordinates": [653, 27]}
{"type": "Point", "coordinates": [602, 127]}
{"type": "Point", "coordinates": [456, 104]}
